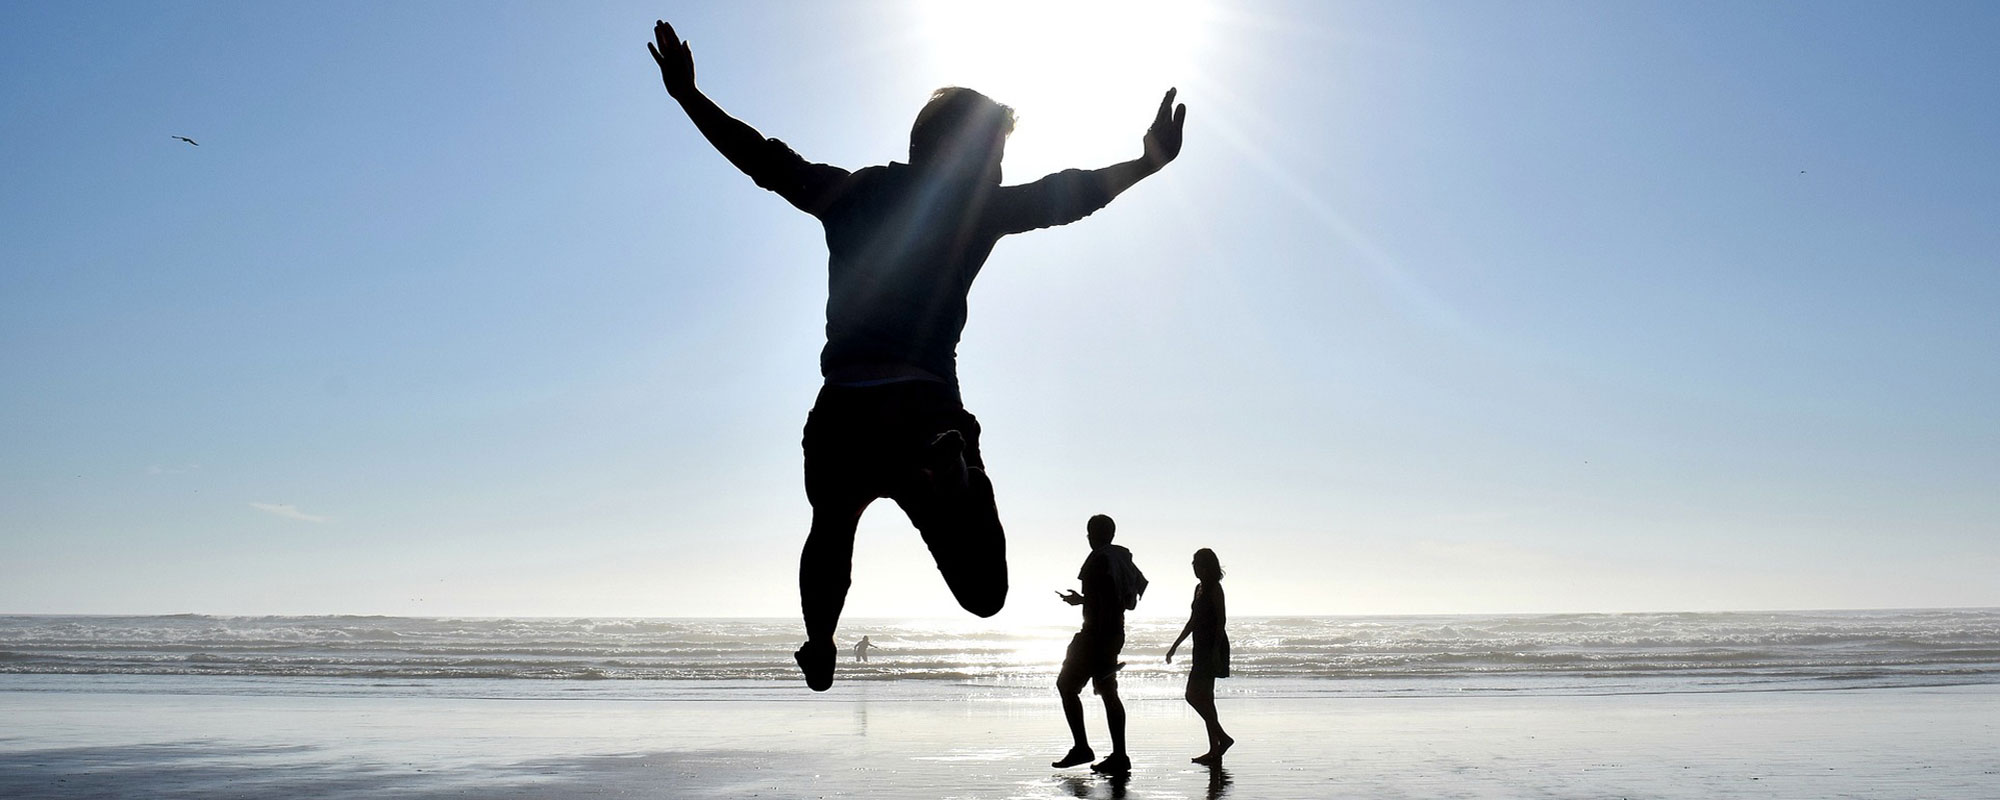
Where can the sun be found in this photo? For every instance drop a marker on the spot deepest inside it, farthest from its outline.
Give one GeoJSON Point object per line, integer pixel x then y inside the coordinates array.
{"type": "Point", "coordinates": [1084, 76]}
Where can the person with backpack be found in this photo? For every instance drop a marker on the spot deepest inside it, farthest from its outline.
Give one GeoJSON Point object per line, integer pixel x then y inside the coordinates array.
{"type": "Point", "coordinates": [1112, 585]}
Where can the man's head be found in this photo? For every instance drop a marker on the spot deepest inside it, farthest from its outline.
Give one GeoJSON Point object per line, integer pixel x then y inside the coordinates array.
{"type": "Point", "coordinates": [1099, 531]}
{"type": "Point", "coordinates": [961, 132]}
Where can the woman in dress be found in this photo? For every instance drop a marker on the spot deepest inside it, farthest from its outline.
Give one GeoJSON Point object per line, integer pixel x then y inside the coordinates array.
{"type": "Point", "coordinates": [1211, 651]}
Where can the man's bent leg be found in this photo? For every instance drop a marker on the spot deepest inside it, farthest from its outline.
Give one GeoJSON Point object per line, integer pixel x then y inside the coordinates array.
{"type": "Point", "coordinates": [962, 530]}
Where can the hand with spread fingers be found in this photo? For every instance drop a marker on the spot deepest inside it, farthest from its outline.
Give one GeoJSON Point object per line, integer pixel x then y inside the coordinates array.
{"type": "Point", "coordinates": [1163, 139]}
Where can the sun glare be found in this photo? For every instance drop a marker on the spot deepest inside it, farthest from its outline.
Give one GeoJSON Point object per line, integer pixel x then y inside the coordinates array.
{"type": "Point", "coordinates": [1083, 75]}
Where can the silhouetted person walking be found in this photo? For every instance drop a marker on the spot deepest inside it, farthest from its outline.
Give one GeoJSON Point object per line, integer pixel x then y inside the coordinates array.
{"type": "Point", "coordinates": [1112, 585]}
{"type": "Point", "coordinates": [905, 242]}
{"type": "Point", "coordinates": [861, 649]}
{"type": "Point", "coordinates": [1206, 619]}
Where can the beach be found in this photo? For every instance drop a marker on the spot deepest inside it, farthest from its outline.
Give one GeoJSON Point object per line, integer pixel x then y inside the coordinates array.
{"type": "Point", "coordinates": [108, 736]}
{"type": "Point", "coordinates": [1828, 704]}
{"type": "Point", "coordinates": [447, 400]}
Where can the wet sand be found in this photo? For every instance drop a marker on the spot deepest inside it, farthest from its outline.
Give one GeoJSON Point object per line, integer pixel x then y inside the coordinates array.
{"type": "Point", "coordinates": [859, 742]}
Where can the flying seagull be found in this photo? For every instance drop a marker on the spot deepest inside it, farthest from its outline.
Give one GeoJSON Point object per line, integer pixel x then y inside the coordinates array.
{"type": "Point", "coordinates": [189, 141]}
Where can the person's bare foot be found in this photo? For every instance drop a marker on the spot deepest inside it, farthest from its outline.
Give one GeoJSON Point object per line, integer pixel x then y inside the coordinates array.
{"type": "Point", "coordinates": [1214, 756]}
{"type": "Point", "coordinates": [1077, 755]}
{"type": "Point", "coordinates": [816, 661]}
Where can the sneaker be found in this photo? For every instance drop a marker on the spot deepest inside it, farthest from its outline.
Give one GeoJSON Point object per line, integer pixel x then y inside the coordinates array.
{"type": "Point", "coordinates": [816, 661]}
{"type": "Point", "coordinates": [1077, 755]}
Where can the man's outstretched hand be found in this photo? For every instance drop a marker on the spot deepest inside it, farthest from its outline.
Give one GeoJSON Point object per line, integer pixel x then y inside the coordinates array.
{"type": "Point", "coordinates": [677, 63]}
{"type": "Point", "coordinates": [1163, 139]}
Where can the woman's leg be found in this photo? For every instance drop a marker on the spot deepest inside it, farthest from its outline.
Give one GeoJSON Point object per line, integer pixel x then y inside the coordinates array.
{"type": "Point", "coordinates": [1201, 696]}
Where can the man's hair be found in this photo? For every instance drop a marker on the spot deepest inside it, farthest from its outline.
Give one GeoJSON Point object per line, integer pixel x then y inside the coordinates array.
{"type": "Point", "coordinates": [1101, 525]}
{"type": "Point", "coordinates": [955, 118]}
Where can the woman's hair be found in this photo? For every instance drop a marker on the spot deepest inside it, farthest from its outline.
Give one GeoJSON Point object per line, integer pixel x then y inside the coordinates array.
{"type": "Point", "coordinates": [1206, 566]}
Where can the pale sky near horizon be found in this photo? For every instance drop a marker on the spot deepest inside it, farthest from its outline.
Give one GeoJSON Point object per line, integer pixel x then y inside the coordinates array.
{"type": "Point", "coordinates": [1446, 307]}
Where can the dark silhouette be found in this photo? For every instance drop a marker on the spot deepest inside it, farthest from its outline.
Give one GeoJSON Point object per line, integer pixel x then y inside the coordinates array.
{"type": "Point", "coordinates": [1218, 781]}
{"type": "Point", "coordinates": [1112, 585]}
{"type": "Point", "coordinates": [861, 649]}
{"type": "Point", "coordinates": [189, 141]}
{"type": "Point", "coordinates": [1086, 787]}
{"type": "Point", "coordinates": [1206, 620]}
{"type": "Point", "coordinates": [905, 242]}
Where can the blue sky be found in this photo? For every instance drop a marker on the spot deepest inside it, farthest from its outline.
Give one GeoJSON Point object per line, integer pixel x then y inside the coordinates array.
{"type": "Point", "coordinates": [1447, 307]}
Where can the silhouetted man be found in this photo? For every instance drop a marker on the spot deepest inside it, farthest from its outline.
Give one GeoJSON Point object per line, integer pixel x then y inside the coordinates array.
{"type": "Point", "coordinates": [1112, 585]}
{"type": "Point", "coordinates": [904, 243]}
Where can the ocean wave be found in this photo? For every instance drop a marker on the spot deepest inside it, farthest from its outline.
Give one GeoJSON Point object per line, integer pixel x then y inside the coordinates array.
{"type": "Point", "coordinates": [1710, 648]}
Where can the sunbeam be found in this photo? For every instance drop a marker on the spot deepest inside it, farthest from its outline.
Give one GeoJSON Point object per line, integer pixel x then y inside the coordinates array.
{"type": "Point", "coordinates": [1082, 75]}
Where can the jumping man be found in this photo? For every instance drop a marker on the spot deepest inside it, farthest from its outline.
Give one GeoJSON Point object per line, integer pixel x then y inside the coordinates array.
{"type": "Point", "coordinates": [904, 243]}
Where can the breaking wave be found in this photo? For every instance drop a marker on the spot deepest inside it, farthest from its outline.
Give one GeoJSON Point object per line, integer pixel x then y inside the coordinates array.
{"type": "Point", "coordinates": [1716, 651]}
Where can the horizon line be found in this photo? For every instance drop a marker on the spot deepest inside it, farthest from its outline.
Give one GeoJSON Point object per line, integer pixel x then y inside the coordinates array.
{"type": "Point", "coordinates": [959, 618]}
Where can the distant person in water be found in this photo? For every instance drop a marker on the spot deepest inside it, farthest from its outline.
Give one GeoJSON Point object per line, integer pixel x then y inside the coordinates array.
{"type": "Point", "coordinates": [1112, 585]}
{"type": "Point", "coordinates": [905, 242]}
{"type": "Point", "coordinates": [861, 649]}
{"type": "Point", "coordinates": [1211, 651]}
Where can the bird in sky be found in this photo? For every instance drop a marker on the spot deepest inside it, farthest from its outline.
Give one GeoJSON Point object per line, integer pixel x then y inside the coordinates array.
{"type": "Point", "coordinates": [189, 141]}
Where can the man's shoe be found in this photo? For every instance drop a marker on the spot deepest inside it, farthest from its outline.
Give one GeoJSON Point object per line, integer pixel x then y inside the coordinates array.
{"type": "Point", "coordinates": [816, 661]}
{"type": "Point", "coordinates": [1077, 755]}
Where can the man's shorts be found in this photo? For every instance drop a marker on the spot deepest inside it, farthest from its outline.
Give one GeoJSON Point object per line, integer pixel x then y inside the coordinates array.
{"type": "Point", "coordinates": [1092, 656]}
{"type": "Point", "coordinates": [865, 442]}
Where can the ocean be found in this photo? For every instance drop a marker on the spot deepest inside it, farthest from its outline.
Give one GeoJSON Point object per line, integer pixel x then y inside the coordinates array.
{"type": "Point", "coordinates": [709, 658]}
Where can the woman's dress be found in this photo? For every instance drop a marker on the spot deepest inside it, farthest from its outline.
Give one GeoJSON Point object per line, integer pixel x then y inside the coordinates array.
{"type": "Point", "coordinates": [1211, 642]}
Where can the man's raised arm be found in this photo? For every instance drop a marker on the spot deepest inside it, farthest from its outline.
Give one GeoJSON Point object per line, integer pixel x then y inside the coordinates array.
{"type": "Point", "coordinates": [1070, 195]}
{"type": "Point", "coordinates": [768, 162]}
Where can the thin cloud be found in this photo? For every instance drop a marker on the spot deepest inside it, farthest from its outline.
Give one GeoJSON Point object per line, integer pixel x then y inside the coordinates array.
{"type": "Point", "coordinates": [289, 511]}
